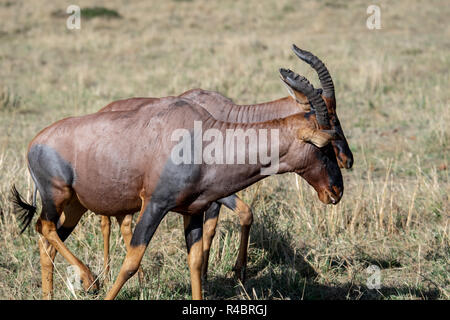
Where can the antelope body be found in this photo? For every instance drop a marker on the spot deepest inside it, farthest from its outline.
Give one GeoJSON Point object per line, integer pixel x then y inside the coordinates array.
{"type": "Point", "coordinates": [116, 163]}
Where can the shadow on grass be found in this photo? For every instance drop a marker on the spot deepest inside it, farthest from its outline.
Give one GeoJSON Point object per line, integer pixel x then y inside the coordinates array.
{"type": "Point", "coordinates": [275, 287]}
{"type": "Point", "coordinates": [277, 271]}
{"type": "Point", "coordinates": [283, 273]}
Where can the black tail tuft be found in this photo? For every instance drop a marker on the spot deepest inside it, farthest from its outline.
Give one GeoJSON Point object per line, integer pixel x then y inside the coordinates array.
{"type": "Point", "coordinates": [23, 208]}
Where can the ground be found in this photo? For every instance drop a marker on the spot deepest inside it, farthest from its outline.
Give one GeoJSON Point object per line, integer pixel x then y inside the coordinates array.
{"type": "Point", "coordinates": [392, 88]}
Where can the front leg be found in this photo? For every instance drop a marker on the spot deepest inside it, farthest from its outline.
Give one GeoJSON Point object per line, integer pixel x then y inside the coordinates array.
{"type": "Point", "coordinates": [151, 216]}
{"type": "Point", "coordinates": [238, 206]}
{"type": "Point", "coordinates": [193, 233]}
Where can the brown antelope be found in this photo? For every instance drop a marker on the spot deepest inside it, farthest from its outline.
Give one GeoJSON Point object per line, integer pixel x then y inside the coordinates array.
{"type": "Point", "coordinates": [222, 108]}
{"type": "Point", "coordinates": [115, 163]}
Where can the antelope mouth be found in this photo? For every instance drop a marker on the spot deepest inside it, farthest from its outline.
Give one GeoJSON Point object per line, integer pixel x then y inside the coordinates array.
{"type": "Point", "coordinates": [329, 197]}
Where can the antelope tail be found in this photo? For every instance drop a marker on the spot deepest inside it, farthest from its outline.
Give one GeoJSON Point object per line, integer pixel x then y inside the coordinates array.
{"type": "Point", "coordinates": [25, 210]}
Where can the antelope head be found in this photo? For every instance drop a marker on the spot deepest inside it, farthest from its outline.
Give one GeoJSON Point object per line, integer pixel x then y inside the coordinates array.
{"type": "Point", "coordinates": [342, 150]}
{"type": "Point", "coordinates": [319, 168]}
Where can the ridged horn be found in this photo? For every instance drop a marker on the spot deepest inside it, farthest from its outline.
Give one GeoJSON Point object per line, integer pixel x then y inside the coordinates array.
{"type": "Point", "coordinates": [301, 84]}
{"type": "Point", "coordinates": [324, 76]}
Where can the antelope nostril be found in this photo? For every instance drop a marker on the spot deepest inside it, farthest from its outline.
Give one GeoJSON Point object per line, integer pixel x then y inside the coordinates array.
{"type": "Point", "coordinates": [349, 163]}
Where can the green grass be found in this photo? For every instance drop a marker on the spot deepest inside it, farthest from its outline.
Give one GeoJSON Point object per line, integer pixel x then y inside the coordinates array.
{"type": "Point", "coordinates": [393, 100]}
{"type": "Point", "coordinates": [93, 12]}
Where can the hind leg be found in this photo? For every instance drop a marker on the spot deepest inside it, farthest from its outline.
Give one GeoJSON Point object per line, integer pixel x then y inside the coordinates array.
{"type": "Point", "coordinates": [125, 222]}
{"type": "Point", "coordinates": [73, 211]}
{"type": "Point", "coordinates": [234, 203]}
{"type": "Point", "coordinates": [54, 178]}
{"type": "Point", "coordinates": [47, 253]}
{"type": "Point", "coordinates": [106, 232]}
{"type": "Point", "coordinates": [125, 229]}
{"type": "Point", "coordinates": [52, 207]}
{"type": "Point", "coordinates": [48, 230]}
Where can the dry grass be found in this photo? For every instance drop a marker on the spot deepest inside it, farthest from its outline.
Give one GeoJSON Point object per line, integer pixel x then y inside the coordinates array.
{"type": "Point", "coordinates": [393, 98]}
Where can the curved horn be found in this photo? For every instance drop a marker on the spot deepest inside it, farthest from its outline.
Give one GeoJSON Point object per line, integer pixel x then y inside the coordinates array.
{"type": "Point", "coordinates": [321, 69]}
{"type": "Point", "coordinates": [301, 84]}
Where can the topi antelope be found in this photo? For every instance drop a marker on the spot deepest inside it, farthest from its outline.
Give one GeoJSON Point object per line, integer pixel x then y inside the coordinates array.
{"type": "Point", "coordinates": [115, 163]}
{"type": "Point", "coordinates": [223, 109]}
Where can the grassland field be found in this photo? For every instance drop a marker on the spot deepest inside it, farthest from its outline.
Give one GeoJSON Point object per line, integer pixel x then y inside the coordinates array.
{"type": "Point", "coordinates": [392, 89]}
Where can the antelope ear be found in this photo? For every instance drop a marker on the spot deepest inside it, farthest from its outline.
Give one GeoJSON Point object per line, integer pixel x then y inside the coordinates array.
{"type": "Point", "coordinates": [320, 138]}
{"type": "Point", "coordinates": [299, 97]}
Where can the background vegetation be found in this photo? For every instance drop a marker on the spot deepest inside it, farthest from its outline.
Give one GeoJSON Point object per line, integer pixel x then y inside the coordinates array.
{"type": "Point", "coordinates": [393, 97]}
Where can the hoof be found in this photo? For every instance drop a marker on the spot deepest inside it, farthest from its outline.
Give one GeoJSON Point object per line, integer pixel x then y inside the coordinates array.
{"type": "Point", "coordinates": [91, 284]}
{"type": "Point", "coordinates": [94, 288]}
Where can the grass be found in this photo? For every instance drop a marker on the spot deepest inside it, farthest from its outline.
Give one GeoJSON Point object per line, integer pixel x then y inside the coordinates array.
{"type": "Point", "coordinates": [393, 99]}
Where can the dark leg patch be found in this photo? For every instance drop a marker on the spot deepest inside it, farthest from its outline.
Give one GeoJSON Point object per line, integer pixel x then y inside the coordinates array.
{"type": "Point", "coordinates": [146, 227]}
{"type": "Point", "coordinates": [64, 232]}
{"type": "Point", "coordinates": [213, 211]}
{"type": "Point", "coordinates": [229, 202]}
{"type": "Point", "coordinates": [194, 231]}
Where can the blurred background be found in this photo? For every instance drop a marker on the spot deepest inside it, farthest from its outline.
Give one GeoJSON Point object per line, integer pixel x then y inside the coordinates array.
{"type": "Point", "coordinates": [392, 91]}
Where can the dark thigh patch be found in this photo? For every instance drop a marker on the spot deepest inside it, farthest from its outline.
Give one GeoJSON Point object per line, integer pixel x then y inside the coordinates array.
{"type": "Point", "coordinates": [46, 164]}
{"type": "Point", "coordinates": [47, 167]}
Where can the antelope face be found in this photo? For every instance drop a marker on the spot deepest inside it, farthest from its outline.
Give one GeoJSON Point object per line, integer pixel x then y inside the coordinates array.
{"type": "Point", "coordinates": [322, 172]}
{"type": "Point", "coordinates": [317, 164]}
{"type": "Point", "coordinates": [316, 161]}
